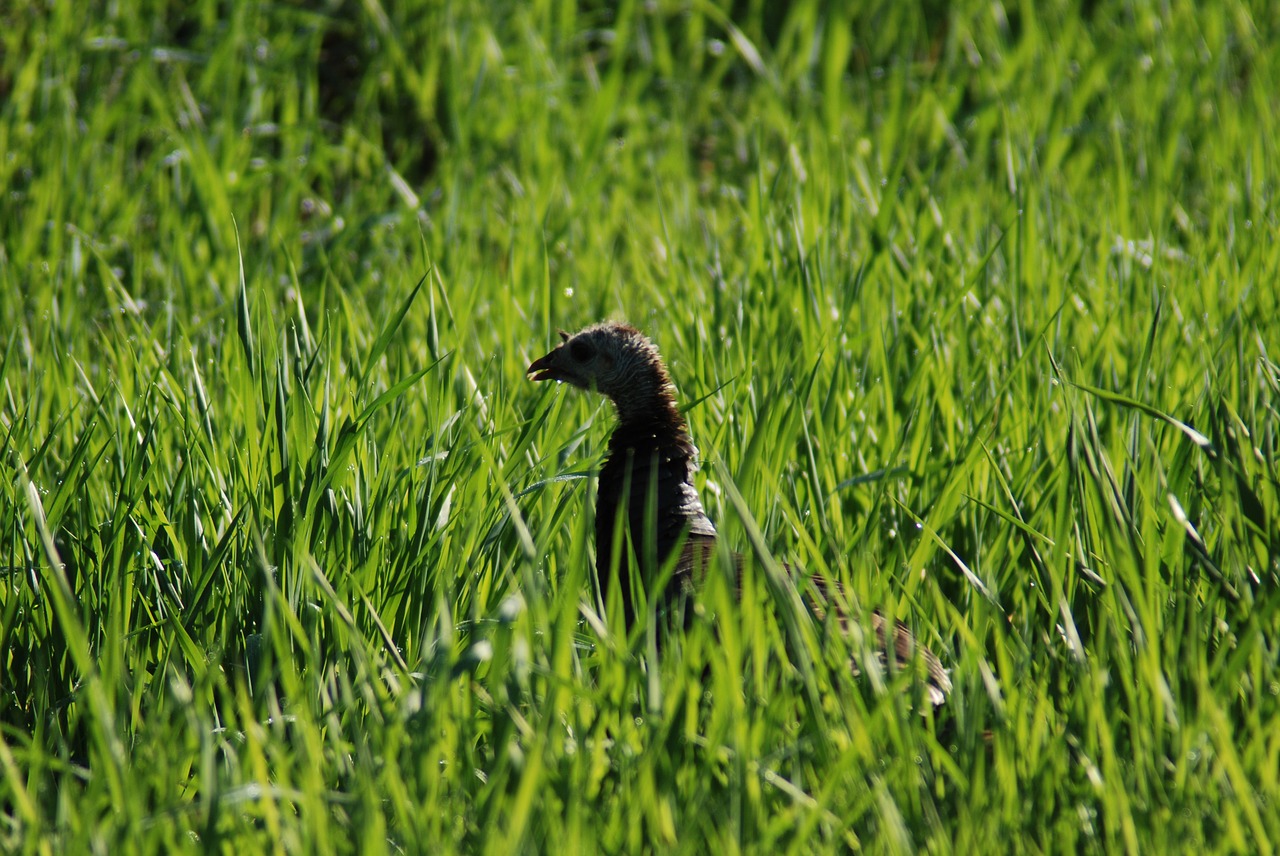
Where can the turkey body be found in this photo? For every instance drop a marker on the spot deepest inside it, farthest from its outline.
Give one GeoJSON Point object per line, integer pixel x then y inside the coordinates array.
{"type": "Point", "coordinates": [655, 459]}
{"type": "Point", "coordinates": [646, 489]}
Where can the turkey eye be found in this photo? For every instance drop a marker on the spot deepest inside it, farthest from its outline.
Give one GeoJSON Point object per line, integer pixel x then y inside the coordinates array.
{"type": "Point", "coordinates": [580, 350]}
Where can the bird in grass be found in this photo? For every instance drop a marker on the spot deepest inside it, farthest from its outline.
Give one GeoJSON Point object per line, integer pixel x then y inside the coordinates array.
{"type": "Point", "coordinates": [646, 490]}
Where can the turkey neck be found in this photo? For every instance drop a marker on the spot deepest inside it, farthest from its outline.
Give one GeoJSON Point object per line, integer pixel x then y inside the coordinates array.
{"type": "Point", "coordinates": [650, 450]}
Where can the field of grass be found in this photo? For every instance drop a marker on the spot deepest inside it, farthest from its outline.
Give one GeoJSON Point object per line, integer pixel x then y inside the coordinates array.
{"type": "Point", "coordinates": [973, 306]}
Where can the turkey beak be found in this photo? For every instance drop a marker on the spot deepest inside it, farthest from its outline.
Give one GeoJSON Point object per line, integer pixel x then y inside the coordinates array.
{"type": "Point", "coordinates": [544, 368]}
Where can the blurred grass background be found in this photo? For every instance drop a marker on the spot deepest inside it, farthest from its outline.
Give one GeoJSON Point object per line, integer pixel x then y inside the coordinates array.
{"type": "Point", "coordinates": [974, 304]}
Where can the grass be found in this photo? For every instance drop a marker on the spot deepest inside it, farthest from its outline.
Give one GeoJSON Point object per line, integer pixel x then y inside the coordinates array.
{"type": "Point", "coordinates": [972, 306]}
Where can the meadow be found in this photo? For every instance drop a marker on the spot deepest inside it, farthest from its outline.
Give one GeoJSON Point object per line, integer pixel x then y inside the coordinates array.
{"type": "Point", "coordinates": [972, 306]}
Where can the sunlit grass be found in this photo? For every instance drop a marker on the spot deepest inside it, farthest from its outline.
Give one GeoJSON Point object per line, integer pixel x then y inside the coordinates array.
{"type": "Point", "coordinates": [973, 310]}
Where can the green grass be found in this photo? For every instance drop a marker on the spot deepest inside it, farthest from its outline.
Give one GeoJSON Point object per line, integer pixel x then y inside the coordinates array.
{"type": "Point", "coordinates": [973, 306]}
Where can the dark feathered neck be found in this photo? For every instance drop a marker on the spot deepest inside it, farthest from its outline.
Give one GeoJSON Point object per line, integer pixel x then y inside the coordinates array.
{"type": "Point", "coordinates": [655, 416]}
{"type": "Point", "coordinates": [651, 432]}
{"type": "Point", "coordinates": [645, 397]}
{"type": "Point", "coordinates": [649, 422]}
{"type": "Point", "coordinates": [650, 450]}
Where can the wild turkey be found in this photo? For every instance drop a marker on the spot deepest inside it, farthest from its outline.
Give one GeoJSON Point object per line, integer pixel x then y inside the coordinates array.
{"type": "Point", "coordinates": [651, 450]}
